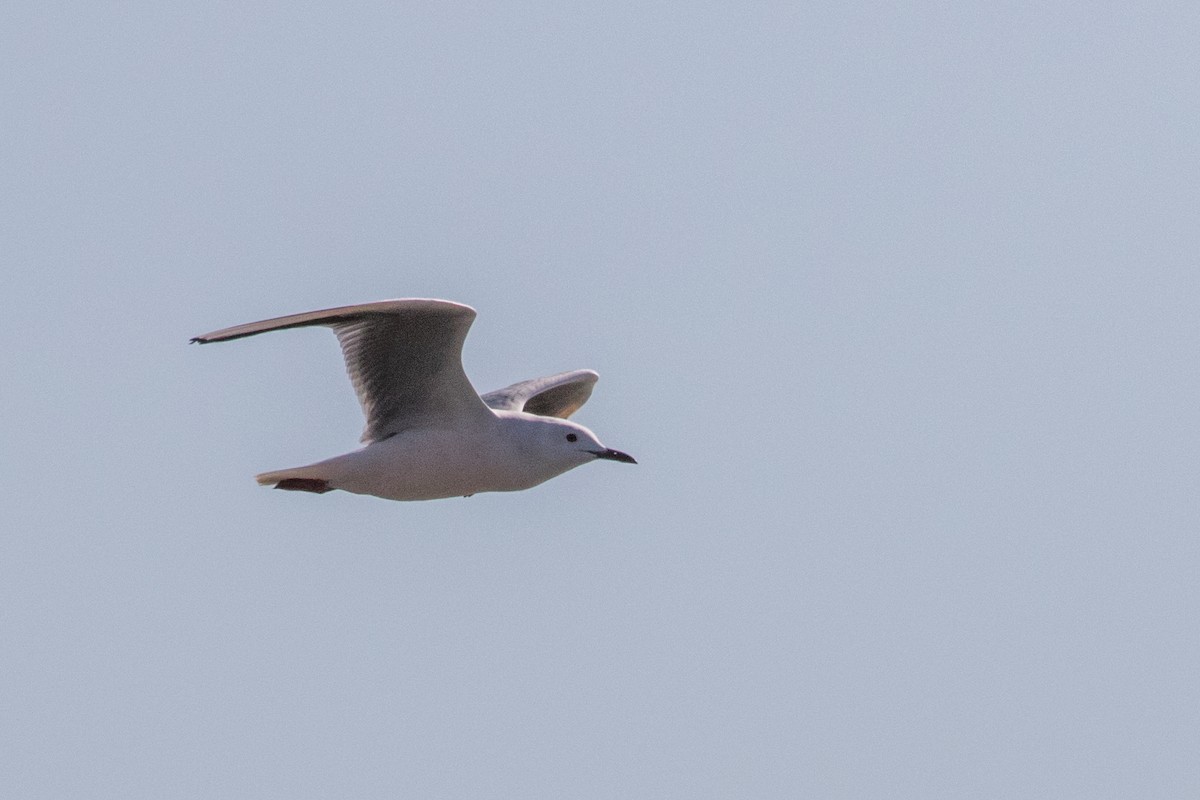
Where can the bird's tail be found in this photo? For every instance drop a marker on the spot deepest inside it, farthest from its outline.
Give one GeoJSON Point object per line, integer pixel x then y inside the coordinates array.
{"type": "Point", "coordinates": [298, 479]}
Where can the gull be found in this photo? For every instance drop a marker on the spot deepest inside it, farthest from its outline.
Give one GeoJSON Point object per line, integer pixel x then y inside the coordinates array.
{"type": "Point", "coordinates": [429, 435]}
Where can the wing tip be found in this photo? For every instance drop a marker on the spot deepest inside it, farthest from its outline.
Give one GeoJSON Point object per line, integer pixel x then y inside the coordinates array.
{"type": "Point", "coordinates": [329, 316]}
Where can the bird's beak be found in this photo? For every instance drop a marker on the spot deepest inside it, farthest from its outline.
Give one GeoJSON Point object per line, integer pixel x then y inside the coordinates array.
{"type": "Point", "coordinates": [613, 455]}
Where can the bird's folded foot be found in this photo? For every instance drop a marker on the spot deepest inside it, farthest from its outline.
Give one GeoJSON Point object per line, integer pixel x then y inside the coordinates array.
{"type": "Point", "coordinates": [314, 485]}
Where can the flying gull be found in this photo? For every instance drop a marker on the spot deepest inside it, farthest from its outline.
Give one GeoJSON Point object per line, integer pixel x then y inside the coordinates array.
{"type": "Point", "coordinates": [429, 434]}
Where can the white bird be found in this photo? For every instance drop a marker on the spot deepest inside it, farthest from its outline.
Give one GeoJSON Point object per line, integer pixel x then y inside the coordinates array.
{"type": "Point", "coordinates": [429, 434]}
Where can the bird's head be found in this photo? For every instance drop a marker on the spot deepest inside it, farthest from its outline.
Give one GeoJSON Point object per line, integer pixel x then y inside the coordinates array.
{"type": "Point", "coordinates": [560, 445]}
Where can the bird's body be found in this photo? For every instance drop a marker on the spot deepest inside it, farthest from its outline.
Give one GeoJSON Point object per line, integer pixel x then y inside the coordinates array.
{"type": "Point", "coordinates": [432, 463]}
{"type": "Point", "coordinates": [429, 435]}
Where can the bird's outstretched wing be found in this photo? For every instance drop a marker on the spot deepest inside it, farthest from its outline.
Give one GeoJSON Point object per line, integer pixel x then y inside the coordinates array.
{"type": "Point", "coordinates": [404, 358]}
{"type": "Point", "coordinates": [558, 395]}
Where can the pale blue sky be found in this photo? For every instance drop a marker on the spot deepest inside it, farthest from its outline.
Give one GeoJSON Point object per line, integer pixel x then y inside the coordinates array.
{"type": "Point", "coordinates": [894, 303]}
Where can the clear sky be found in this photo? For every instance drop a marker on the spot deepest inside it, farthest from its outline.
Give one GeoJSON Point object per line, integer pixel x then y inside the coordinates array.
{"type": "Point", "coordinates": [894, 303]}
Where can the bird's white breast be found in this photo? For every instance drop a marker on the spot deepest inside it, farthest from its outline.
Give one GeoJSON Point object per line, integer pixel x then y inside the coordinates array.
{"type": "Point", "coordinates": [427, 464]}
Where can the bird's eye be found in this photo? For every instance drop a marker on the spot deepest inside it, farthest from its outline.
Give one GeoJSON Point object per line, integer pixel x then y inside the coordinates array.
{"type": "Point", "coordinates": [571, 437]}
